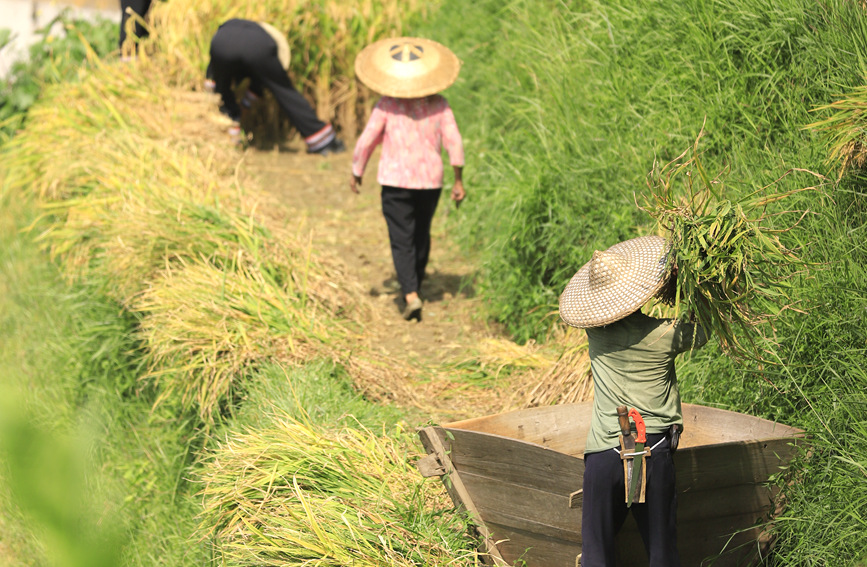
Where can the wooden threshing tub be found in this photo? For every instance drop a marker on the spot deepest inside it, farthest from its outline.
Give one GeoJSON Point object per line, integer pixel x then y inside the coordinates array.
{"type": "Point", "coordinates": [519, 476]}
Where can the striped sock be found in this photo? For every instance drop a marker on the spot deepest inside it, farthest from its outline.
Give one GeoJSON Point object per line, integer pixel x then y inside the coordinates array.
{"type": "Point", "coordinates": [320, 139]}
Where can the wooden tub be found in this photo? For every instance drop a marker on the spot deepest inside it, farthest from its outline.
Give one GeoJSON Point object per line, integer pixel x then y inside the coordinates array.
{"type": "Point", "coordinates": [519, 476]}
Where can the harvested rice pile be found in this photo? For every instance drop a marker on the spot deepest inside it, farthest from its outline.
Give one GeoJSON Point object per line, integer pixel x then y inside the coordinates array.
{"type": "Point", "coordinates": [295, 494]}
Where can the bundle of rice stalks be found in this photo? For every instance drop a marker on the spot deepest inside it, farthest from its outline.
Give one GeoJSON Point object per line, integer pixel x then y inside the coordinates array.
{"type": "Point", "coordinates": [566, 381]}
{"type": "Point", "coordinates": [324, 37]}
{"type": "Point", "coordinates": [295, 495]}
{"type": "Point", "coordinates": [502, 353]}
{"type": "Point", "coordinates": [204, 326]}
{"type": "Point", "coordinates": [845, 128]}
{"type": "Point", "coordinates": [729, 268]}
{"type": "Point", "coordinates": [53, 156]}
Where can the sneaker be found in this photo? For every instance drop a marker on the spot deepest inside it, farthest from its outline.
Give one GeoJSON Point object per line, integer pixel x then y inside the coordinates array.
{"type": "Point", "coordinates": [335, 146]}
{"type": "Point", "coordinates": [413, 309]}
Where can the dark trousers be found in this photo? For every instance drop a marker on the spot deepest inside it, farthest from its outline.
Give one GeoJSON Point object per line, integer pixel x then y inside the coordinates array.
{"type": "Point", "coordinates": [141, 8]}
{"type": "Point", "coordinates": [242, 49]}
{"type": "Point", "coordinates": [604, 508]}
{"type": "Point", "coordinates": [408, 214]}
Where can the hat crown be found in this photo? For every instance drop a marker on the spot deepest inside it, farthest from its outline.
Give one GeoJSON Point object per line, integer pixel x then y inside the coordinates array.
{"type": "Point", "coordinates": [607, 268]}
{"type": "Point", "coordinates": [406, 52]}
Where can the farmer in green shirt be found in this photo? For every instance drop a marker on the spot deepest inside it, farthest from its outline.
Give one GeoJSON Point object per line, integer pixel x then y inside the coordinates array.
{"type": "Point", "coordinates": [632, 361]}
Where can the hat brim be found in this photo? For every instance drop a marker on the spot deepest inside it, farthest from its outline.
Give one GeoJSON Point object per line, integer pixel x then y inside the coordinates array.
{"type": "Point", "coordinates": [583, 305]}
{"type": "Point", "coordinates": [432, 69]}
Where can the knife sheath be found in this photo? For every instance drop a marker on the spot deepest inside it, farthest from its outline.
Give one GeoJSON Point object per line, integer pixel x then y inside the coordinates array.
{"type": "Point", "coordinates": [627, 445]}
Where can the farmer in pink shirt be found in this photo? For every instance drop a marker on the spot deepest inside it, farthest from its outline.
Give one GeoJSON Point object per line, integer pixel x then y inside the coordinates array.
{"type": "Point", "coordinates": [413, 124]}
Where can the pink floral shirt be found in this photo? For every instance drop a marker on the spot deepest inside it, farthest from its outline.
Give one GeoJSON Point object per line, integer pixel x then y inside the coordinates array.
{"type": "Point", "coordinates": [412, 133]}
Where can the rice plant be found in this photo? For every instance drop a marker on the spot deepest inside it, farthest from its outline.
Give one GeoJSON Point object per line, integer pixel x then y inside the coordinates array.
{"type": "Point", "coordinates": [844, 129]}
{"type": "Point", "coordinates": [128, 201]}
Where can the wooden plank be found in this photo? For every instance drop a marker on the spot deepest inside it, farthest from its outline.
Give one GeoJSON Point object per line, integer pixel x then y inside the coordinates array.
{"type": "Point", "coordinates": [756, 499]}
{"type": "Point", "coordinates": [457, 491]}
{"type": "Point", "coordinates": [562, 428]}
{"type": "Point", "coordinates": [514, 462]}
{"type": "Point", "coordinates": [523, 508]}
{"type": "Point", "coordinates": [703, 425]}
{"type": "Point", "coordinates": [536, 550]}
{"type": "Point", "coordinates": [696, 542]}
{"type": "Point", "coordinates": [715, 466]}
{"type": "Point", "coordinates": [430, 465]}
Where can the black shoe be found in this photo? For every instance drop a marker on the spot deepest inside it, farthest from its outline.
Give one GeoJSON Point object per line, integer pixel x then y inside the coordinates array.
{"type": "Point", "coordinates": [335, 146]}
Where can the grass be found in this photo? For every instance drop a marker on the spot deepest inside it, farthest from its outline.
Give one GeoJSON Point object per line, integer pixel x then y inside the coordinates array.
{"type": "Point", "coordinates": [565, 120]}
{"type": "Point", "coordinates": [566, 107]}
{"type": "Point", "coordinates": [293, 493]}
{"type": "Point", "coordinates": [69, 380]}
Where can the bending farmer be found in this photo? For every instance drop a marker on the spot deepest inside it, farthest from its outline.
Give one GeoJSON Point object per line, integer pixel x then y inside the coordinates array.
{"type": "Point", "coordinates": [244, 49]}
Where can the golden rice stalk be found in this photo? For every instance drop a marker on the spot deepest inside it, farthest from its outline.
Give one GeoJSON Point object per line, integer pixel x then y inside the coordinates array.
{"type": "Point", "coordinates": [845, 127]}
{"type": "Point", "coordinates": [127, 229]}
{"type": "Point", "coordinates": [502, 353]}
{"type": "Point", "coordinates": [205, 327]}
{"type": "Point", "coordinates": [566, 381]}
{"type": "Point", "coordinates": [135, 205]}
{"type": "Point", "coordinates": [294, 494]}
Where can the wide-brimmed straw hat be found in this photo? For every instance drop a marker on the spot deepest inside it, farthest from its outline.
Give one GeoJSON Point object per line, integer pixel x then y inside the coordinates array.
{"type": "Point", "coordinates": [283, 52]}
{"type": "Point", "coordinates": [616, 282]}
{"type": "Point", "coordinates": [407, 67]}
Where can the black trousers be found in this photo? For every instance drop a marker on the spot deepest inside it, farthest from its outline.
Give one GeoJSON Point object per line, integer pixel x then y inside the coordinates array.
{"type": "Point", "coordinates": [408, 214]}
{"type": "Point", "coordinates": [141, 8]}
{"type": "Point", "coordinates": [242, 49]}
{"type": "Point", "coordinates": [604, 508]}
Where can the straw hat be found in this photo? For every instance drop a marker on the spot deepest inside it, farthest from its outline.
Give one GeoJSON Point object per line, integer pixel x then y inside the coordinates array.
{"type": "Point", "coordinates": [407, 67]}
{"type": "Point", "coordinates": [616, 282]}
{"type": "Point", "coordinates": [283, 52]}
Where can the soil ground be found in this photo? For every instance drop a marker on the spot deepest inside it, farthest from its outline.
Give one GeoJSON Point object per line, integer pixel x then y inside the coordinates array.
{"type": "Point", "coordinates": [315, 190]}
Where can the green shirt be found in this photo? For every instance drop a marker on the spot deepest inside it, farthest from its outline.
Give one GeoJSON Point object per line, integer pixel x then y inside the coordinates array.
{"type": "Point", "coordinates": [632, 361]}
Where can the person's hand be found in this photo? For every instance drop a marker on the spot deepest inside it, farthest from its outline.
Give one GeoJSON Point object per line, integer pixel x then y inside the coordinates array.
{"type": "Point", "coordinates": [355, 183]}
{"type": "Point", "coordinates": [458, 193]}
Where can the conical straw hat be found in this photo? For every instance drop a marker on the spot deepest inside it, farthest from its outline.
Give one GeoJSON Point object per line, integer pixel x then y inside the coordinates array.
{"type": "Point", "coordinates": [407, 67]}
{"type": "Point", "coordinates": [616, 282]}
{"type": "Point", "coordinates": [283, 53]}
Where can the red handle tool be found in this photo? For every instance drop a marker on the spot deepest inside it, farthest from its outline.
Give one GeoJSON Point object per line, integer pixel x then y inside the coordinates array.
{"type": "Point", "coordinates": [639, 426]}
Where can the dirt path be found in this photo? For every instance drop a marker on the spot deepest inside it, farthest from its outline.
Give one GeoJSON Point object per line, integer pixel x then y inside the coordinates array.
{"type": "Point", "coordinates": [351, 227]}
